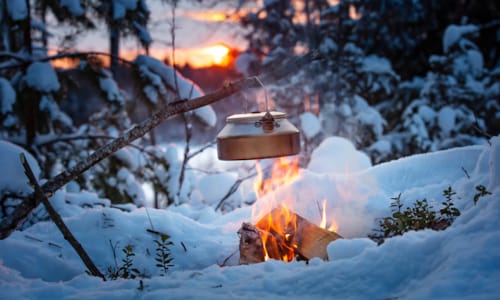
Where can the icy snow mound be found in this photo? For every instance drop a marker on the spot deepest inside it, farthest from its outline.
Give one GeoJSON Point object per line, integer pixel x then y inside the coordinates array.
{"type": "Point", "coordinates": [14, 180]}
{"type": "Point", "coordinates": [337, 155]}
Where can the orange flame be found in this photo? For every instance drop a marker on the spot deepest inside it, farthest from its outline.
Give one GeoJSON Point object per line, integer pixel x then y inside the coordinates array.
{"type": "Point", "coordinates": [279, 226]}
{"type": "Point", "coordinates": [283, 172]}
{"type": "Point", "coordinates": [333, 225]}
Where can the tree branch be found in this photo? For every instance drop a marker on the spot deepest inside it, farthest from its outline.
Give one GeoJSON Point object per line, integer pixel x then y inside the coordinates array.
{"type": "Point", "coordinates": [56, 218]}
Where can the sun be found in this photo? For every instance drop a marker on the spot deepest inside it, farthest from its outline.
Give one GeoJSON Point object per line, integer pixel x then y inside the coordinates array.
{"type": "Point", "coordinates": [219, 54]}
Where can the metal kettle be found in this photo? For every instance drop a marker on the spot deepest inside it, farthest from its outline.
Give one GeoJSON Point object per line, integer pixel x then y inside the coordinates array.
{"type": "Point", "coordinates": [257, 135]}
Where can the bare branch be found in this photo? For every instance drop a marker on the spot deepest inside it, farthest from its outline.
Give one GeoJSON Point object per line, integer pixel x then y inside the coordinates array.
{"type": "Point", "coordinates": [56, 218]}
{"type": "Point", "coordinates": [193, 154]}
{"type": "Point", "coordinates": [233, 189]}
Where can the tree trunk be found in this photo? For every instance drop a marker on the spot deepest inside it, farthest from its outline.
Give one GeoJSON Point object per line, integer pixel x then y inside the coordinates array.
{"type": "Point", "coordinates": [114, 47]}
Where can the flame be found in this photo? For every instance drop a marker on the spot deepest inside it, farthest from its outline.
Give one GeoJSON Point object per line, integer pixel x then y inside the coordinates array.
{"type": "Point", "coordinates": [279, 225]}
{"type": "Point", "coordinates": [277, 233]}
{"type": "Point", "coordinates": [322, 224]}
{"type": "Point", "coordinates": [333, 225]}
{"type": "Point", "coordinates": [283, 172]}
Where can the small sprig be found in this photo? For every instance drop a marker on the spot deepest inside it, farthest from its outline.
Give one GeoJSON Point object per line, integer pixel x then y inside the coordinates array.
{"type": "Point", "coordinates": [126, 270]}
{"type": "Point", "coordinates": [163, 259]}
{"type": "Point", "coordinates": [481, 192]}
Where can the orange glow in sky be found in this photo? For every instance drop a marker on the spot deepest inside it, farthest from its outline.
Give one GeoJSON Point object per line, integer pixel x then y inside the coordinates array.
{"type": "Point", "coordinates": [213, 16]}
{"type": "Point", "coordinates": [218, 54]}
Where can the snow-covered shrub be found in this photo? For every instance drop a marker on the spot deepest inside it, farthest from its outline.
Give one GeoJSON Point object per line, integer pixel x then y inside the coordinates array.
{"type": "Point", "coordinates": [452, 108]}
{"type": "Point", "coordinates": [161, 83]}
{"type": "Point", "coordinates": [37, 93]}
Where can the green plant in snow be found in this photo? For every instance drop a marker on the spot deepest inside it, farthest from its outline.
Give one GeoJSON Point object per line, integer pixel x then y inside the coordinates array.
{"type": "Point", "coordinates": [481, 192]}
{"type": "Point", "coordinates": [163, 259]}
{"type": "Point", "coordinates": [420, 216]}
{"type": "Point", "coordinates": [449, 211]}
{"type": "Point", "coordinates": [126, 270]}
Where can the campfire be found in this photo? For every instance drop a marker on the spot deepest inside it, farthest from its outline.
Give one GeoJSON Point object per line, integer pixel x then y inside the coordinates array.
{"type": "Point", "coordinates": [280, 233]}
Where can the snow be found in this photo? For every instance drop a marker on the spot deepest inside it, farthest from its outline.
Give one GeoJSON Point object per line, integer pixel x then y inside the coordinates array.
{"type": "Point", "coordinates": [159, 74]}
{"type": "Point", "coordinates": [377, 64]}
{"type": "Point", "coordinates": [454, 33]}
{"type": "Point", "coordinates": [7, 96]}
{"type": "Point", "coordinates": [337, 155]}
{"type": "Point", "coordinates": [143, 33]}
{"type": "Point", "coordinates": [328, 45]}
{"type": "Point", "coordinates": [120, 8]}
{"type": "Point", "coordinates": [476, 61]}
{"type": "Point", "coordinates": [244, 62]}
{"type": "Point", "coordinates": [74, 7]}
{"type": "Point", "coordinates": [110, 88]}
{"type": "Point", "coordinates": [10, 160]}
{"type": "Point", "coordinates": [461, 262]}
{"type": "Point", "coordinates": [17, 10]}
{"type": "Point", "coordinates": [310, 125]}
{"type": "Point", "coordinates": [41, 77]}
{"type": "Point", "coordinates": [446, 119]}
{"type": "Point", "coordinates": [214, 187]}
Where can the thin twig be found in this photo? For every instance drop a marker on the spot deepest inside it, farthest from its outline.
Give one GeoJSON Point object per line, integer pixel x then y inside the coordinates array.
{"type": "Point", "coordinates": [233, 189]}
{"type": "Point", "coordinates": [184, 246]}
{"type": "Point", "coordinates": [223, 264]}
{"type": "Point", "coordinates": [58, 221]}
{"type": "Point", "coordinates": [466, 173]}
{"type": "Point", "coordinates": [193, 154]}
{"type": "Point", "coordinates": [149, 218]}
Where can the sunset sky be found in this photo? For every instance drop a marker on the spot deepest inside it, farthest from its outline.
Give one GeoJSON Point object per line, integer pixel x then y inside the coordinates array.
{"type": "Point", "coordinates": [199, 28]}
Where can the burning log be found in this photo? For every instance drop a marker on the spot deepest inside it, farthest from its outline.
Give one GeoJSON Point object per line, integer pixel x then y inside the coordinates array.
{"type": "Point", "coordinates": [284, 235]}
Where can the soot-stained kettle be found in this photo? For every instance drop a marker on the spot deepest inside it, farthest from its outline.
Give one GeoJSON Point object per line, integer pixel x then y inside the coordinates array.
{"type": "Point", "coordinates": [257, 135]}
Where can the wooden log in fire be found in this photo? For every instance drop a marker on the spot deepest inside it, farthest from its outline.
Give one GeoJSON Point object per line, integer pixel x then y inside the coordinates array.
{"type": "Point", "coordinates": [298, 237]}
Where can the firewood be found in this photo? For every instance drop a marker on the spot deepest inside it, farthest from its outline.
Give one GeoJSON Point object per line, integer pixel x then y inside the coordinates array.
{"type": "Point", "coordinates": [306, 239]}
{"type": "Point", "coordinates": [251, 249]}
{"type": "Point", "coordinates": [312, 240]}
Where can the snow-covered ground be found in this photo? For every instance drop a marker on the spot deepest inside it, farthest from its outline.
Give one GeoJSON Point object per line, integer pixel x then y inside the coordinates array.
{"type": "Point", "coordinates": [462, 262]}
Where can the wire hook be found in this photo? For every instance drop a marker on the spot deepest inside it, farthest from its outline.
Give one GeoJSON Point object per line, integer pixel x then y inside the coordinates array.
{"type": "Point", "coordinates": [265, 92]}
